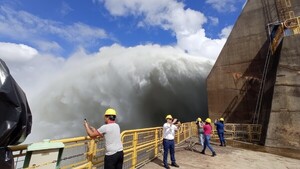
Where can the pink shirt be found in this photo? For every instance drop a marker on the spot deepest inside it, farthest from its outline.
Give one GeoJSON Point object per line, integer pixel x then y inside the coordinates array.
{"type": "Point", "coordinates": [207, 129]}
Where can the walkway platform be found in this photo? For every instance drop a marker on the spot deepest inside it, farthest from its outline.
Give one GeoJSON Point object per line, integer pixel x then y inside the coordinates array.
{"type": "Point", "coordinates": [228, 157]}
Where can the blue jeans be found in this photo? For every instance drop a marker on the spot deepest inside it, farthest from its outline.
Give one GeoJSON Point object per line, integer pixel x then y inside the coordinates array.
{"type": "Point", "coordinates": [207, 144]}
{"type": "Point", "coordinates": [221, 137]}
{"type": "Point", "coordinates": [201, 139]}
{"type": "Point", "coordinates": [169, 145]}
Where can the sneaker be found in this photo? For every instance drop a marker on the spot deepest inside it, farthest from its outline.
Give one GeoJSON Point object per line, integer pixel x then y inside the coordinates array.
{"type": "Point", "coordinates": [221, 145]}
{"type": "Point", "coordinates": [202, 152]}
{"type": "Point", "coordinates": [175, 165]}
{"type": "Point", "coordinates": [167, 167]}
{"type": "Point", "coordinates": [213, 154]}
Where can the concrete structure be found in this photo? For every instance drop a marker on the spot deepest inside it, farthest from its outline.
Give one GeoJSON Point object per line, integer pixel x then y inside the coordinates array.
{"type": "Point", "coordinates": [256, 78]}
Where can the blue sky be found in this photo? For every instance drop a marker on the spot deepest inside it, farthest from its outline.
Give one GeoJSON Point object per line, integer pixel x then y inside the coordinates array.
{"type": "Point", "coordinates": [61, 27]}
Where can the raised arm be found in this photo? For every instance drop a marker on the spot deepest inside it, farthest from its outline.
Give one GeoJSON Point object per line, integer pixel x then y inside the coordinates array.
{"type": "Point", "coordinates": [91, 131]}
{"type": "Point", "coordinates": [178, 124]}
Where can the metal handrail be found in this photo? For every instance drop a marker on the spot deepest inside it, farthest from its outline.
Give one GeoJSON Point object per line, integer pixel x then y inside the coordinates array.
{"type": "Point", "coordinates": [133, 148]}
{"type": "Point", "coordinates": [140, 146]}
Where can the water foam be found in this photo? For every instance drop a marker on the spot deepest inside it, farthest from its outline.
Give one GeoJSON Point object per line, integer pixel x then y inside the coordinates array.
{"type": "Point", "coordinates": [143, 83]}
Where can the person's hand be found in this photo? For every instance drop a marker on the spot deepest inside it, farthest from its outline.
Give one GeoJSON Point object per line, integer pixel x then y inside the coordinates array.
{"type": "Point", "coordinates": [85, 123]}
{"type": "Point", "coordinates": [174, 121]}
{"type": "Point", "coordinates": [179, 123]}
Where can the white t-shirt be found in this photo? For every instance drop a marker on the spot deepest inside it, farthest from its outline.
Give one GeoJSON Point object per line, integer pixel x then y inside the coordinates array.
{"type": "Point", "coordinates": [169, 131]}
{"type": "Point", "coordinates": [112, 137]}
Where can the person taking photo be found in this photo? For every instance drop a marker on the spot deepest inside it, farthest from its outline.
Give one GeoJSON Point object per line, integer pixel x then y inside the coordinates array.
{"type": "Point", "coordinates": [114, 155]}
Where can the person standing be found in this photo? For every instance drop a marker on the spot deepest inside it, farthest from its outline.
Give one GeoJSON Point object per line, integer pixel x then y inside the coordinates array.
{"type": "Point", "coordinates": [207, 132]}
{"type": "Point", "coordinates": [200, 125]}
{"type": "Point", "coordinates": [114, 155]}
{"type": "Point", "coordinates": [220, 130]}
{"type": "Point", "coordinates": [169, 129]}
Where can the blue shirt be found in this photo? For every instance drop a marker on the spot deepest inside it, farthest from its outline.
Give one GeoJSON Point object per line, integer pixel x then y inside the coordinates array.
{"type": "Point", "coordinates": [220, 127]}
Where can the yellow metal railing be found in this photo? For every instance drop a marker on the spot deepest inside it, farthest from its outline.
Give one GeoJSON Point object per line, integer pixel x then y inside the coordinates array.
{"type": "Point", "coordinates": [140, 146]}
{"type": "Point", "coordinates": [242, 132]}
{"type": "Point", "coordinates": [293, 25]}
{"type": "Point", "coordinates": [279, 34]}
{"type": "Point", "coordinates": [289, 27]}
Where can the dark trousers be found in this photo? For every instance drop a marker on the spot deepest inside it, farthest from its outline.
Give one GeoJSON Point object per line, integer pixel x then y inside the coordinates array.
{"type": "Point", "coordinates": [169, 145]}
{"type": "Point", "coordinates": [221, 137]}
{"type": "Point", "coordinates": [6, 158]}
{"type": "Point", "coordinates": [114, 161]}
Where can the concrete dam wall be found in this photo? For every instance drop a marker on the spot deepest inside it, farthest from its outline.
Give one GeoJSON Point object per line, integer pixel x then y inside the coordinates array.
{"type": "Point", "coordinates": [256, 78]}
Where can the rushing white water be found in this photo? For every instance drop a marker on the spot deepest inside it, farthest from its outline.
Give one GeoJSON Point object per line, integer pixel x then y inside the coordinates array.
{"type": "Point", "coordinates": [143, 83]}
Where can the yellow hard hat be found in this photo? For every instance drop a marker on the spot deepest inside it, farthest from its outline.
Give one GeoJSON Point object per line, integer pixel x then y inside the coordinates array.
{"type": "Point", "coordinates": [110, 112]}
{"type": "Point", "coordinates": [208, 120]}
{"type": "Point", "coordinates": [221, 119]}
{"type": "Point", "coordinates": [199, 119]}
{"type": "Point", "coordinates": [169, 117]}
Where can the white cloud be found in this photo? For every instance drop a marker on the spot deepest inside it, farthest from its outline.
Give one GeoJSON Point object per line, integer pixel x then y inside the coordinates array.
{"type": "Point", "coordinates": [165, 13]}
{"type": "Point", "coordinates": [223, 5]}
{"type": "Point", "coordinates": [65, 9]}
{"type": "Point", "coordinates": [48, 47]}
{"type": "Point", "coordinates": [199, 45]}
{"type": "Point", "coordinates": [80, 32]}
{"type": "Point", "coordinates": [30, 68]}
{"type": "Point", "coordinates": [226, 32]}
{"type": "Point", "coordinates": [16, 52]}
{"type": "Point", "coordinates": [31, 28]}
{"type": "Point", "coordinates": [171, 15]}
{"type": "Point", "coordinates": [214, 20]}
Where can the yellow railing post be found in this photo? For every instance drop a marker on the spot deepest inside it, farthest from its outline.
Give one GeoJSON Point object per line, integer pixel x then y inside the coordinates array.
{"type": "Point", "coordinates": [184, 131]}
{"type": "Point", "coordinates": [191, 129]}
{"type": "Point", "coordinates": [156, 143]}
{"type": "Point", "coordinates": [91, 153]}
{"type": "Point", "coordinates": [134, 153]}
{"type": "Point", "coordinates": [94, 151]}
